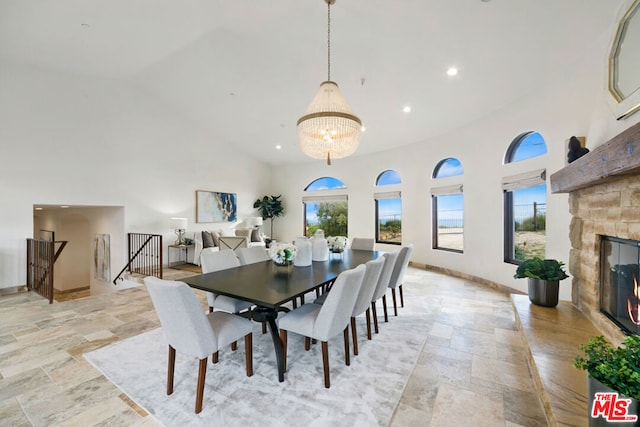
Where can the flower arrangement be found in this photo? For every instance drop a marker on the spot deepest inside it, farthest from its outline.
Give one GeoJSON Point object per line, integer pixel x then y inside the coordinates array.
{"type": "Point", "coordinates": [337, 243]}
{"type": "Point", "coordinates": [282, 253]}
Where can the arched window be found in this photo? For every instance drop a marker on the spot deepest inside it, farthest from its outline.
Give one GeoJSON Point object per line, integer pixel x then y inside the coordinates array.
{"type": "Point", "coordinates": [525, 202]}
{"type": "Point", "coordinates": [525, 146]}
{"type": "Point", "coordinates": [447, 206]}
{"type": "Point", "coordinates": [388, 209]}
{"type": "Point", "coordinates": [325, 207]}
{"type": "Point", "coordinates": [447, 167]}
{"type": "Point", "coordinates": [388, 177]}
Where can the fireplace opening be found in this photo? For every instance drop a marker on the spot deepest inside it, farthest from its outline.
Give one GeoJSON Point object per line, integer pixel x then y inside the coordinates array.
{"type": "Point", "coordinates": [619, 277]}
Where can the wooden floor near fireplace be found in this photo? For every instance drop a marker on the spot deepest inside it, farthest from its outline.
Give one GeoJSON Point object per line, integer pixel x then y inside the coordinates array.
{"type": "Point", "coordinates": [551, 337]}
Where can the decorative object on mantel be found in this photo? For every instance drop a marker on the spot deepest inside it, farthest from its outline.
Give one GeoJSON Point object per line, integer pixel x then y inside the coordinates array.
{"type": "Point", "coordinates": [619, 156]}
{"type": "Point", "coordinates": [282, 254]}
{"type": "Point", "coordinates": [576, 149]}
{"type": "Point", "coordinates": [544, 277]}
{"type": "Point", "coordinates": [179, 225]}
{"type": "Point", "coordinates": [329, 128]}
{"type": "Point", "coordinates": [613, 380]}
{"type": "Point", "coordinates": [270, 207]}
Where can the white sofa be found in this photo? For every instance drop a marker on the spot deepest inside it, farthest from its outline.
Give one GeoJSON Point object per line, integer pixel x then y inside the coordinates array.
{"type": "Point", "coordinates": [231, 243]}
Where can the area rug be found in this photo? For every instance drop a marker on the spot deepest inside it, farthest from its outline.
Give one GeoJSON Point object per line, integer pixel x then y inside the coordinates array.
{"type": "Point", "coordinates": [362, 394]}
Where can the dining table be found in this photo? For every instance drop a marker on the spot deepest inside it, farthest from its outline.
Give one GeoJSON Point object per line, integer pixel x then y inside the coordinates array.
{"type": "Point", "coordinates": [271, 287]}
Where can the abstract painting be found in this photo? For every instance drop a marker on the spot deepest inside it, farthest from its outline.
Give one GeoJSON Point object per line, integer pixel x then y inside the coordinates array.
{"type": "Point", "coordinates": [215, 207]}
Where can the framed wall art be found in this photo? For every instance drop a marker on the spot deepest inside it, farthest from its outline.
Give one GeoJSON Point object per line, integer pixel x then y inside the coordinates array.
{"type": "Point", "coordinates": [212, 206]}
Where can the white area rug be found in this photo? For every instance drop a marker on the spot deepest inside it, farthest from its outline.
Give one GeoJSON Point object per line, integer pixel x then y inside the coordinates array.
{"type": "Point", "coordinates": [363, 394]}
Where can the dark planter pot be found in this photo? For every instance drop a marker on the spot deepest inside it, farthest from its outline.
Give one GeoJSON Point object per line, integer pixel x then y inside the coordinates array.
{"type": "Point", "coordinates": [594, 386]}
{"type": "Point", "coordinates": [544, 292]}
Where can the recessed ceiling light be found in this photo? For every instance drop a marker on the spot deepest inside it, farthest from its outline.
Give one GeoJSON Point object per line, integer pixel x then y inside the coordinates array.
{"type": "Point", "coordinates": [64, 206]}
{"type": "Point", "coordinates": [39, 209]}
{"type": "Point", "coordinates": [278, 147]}
{"type": "Point", "coordinates": [407, 109]}
{"type": "Point", "coordinates": [363, 128]}
{"type": "Point", "coordinates": [453, 71]}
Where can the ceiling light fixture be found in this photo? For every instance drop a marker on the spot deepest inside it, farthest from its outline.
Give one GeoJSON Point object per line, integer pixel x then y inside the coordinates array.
{"type": "Point", "coordinates": [453, 71]}
{"type": "Point", "coordinates": [329, 128]}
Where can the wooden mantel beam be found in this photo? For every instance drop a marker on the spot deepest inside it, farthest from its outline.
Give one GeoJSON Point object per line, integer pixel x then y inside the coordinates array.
{"type": "Point", "coordinates": [619, 156]}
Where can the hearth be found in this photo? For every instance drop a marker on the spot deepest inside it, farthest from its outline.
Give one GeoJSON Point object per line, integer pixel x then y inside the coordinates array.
{"type": "Point", "coordinates": [619, 276]}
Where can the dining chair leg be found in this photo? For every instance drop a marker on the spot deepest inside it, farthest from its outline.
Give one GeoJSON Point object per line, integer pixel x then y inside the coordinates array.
{"type": "Point", "coordinates": [395, 306]}
{"type": "Point", "coordinates": [401, 296]}
{"type": "Point", "coordinates": [347, 356]}
{"type": "Point", "coordinates": [210, 309]}
{"type": "Point", "coordinates": [202, 373]}
{"type": "Point", "coordinates": [307, 343]}
{"type": "Point", "coordinates": [170, 369]}
{"type": "Point", "coordinates": [325, 363]}
{"type": "Point", "coordinates": [264, 327]}
{"type": "Point", "coordinates": [368, 315]}
{"type": "Point", "coordinates": [354, 335]}
{"type": "Point", "coordinates": [283, 338]}
{"type": "Point", "coordinates": [375, 316]}
{"type": "Point", "coordinates": [384, 306]}
{"type": "Point", "coordinates": [234, 346]}
{"type": "Point", "coordinates": [248, 353]}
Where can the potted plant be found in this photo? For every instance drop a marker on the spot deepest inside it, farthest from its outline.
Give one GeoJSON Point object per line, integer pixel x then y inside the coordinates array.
{"type": "Point", "coordinates": [613, 380]}
{"type": "Point", "coordinates": [544, 276]}
{"type": "Point", "coordinates": [270, 207]}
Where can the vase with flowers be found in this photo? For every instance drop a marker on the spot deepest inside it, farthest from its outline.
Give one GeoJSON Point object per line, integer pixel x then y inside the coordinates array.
{"type": "Point", "coordinates": [337, 244]}
{"type": "Point", "coordinates": [282, 254]}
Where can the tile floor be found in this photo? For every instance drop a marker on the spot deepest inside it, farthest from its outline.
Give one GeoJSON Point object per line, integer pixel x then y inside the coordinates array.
{"type": "Point", "coordinates": [472, 369]}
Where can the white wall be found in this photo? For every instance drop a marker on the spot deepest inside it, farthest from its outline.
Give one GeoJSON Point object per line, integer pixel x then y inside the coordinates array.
{"type": "Point", "coordinates": [73, 140]}
{"type": "Point", "coordinates": [569, 106]}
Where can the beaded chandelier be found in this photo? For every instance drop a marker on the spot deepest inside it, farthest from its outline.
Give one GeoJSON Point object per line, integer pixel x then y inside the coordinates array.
{"type": "Point", "coordinates": [329, 129]}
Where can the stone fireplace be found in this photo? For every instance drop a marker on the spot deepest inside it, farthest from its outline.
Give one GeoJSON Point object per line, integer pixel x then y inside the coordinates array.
{"type": "Point", "coordinates": [604, 200]}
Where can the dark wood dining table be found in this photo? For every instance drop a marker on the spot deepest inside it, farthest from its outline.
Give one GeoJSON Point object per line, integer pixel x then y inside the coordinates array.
{"type": "Point", "coordinates": [270, 287]}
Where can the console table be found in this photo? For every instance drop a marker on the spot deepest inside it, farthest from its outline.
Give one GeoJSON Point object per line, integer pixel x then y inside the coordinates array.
{"type": "Point", "coordinates": [181, 249]}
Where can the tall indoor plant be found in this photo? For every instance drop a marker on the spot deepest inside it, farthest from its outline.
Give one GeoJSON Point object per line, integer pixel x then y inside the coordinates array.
{"type": "Point", "coordinates": [270, 207]}
{"type": "Point", "coordinates": [544, 277]}
{"type": "Point", "coordinates": [612, 370]}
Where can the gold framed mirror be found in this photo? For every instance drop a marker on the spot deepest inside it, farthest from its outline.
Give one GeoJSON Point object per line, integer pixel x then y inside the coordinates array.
{"type": "Point", "coordinates": [624, 63]}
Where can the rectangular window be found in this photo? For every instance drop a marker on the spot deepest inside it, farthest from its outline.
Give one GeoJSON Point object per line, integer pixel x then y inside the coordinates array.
{"type": "Point", "coordinates": [525, 214]}
{"type": "Point", "coordinates": [448, 218]}
{"type": "Point", "coordinates": [388, 217]}
{"type": "Point", "coordinates": [328, 213]}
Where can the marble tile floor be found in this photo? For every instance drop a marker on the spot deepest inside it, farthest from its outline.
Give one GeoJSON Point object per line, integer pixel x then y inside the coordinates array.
{"type": "Point", "coordinates": [472, 369]}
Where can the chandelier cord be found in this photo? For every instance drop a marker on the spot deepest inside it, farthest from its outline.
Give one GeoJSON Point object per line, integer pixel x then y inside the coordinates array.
{"type": "Point", "coordinates": [329, 40]}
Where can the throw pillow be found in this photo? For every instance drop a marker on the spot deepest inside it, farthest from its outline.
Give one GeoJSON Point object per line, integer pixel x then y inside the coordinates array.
{"type": "Point", "coordinates": [207, 240]}
{"type": "Point", "coordinates": [216, 238]}
{"type": "Point", "coordinates": [255, 235]}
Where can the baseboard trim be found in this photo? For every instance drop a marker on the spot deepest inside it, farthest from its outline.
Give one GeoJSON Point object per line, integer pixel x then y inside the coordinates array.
{"type": "Point", "coordinates": [497, 286]}
{"type": "Point", "coordinates": [13, 290]}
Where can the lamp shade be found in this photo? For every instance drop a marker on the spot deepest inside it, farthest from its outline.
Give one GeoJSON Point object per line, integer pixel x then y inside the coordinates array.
{"type": "Point", "coordinates": [178, 223]}
{"type": "Point", "coordinates": [329, 129]}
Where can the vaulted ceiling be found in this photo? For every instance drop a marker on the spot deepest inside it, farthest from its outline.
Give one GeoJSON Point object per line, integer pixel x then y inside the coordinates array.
{"type": "Point", "coordinates": [245, 70]}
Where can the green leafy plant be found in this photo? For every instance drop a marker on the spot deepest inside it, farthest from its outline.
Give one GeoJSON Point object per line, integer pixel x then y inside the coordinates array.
{"type": "Point", "coordinates": [615, 367]}
{"type": "Point", "coordinates": [270, 207]}
{"type": "Point", "coordinates": [538, 268]}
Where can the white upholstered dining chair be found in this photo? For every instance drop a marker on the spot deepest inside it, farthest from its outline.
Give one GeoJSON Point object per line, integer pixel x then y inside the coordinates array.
{"type": "Point", "coordinates": [383, 285]}
{"type": "Point", "coordinates": [252, 255]}
{"type": "Point", "coordinates": [362, 244]}
{"type": "Point", "coordinates": [190, 331]}
{"type": "Point", "coordinates": [322, 322]}
{"type": "Point", "coordinates": [397, 277]}
{"type": "Point", "coordinates": [363, 302]}
{"type": "Point", "coordinates": [216, 261]}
